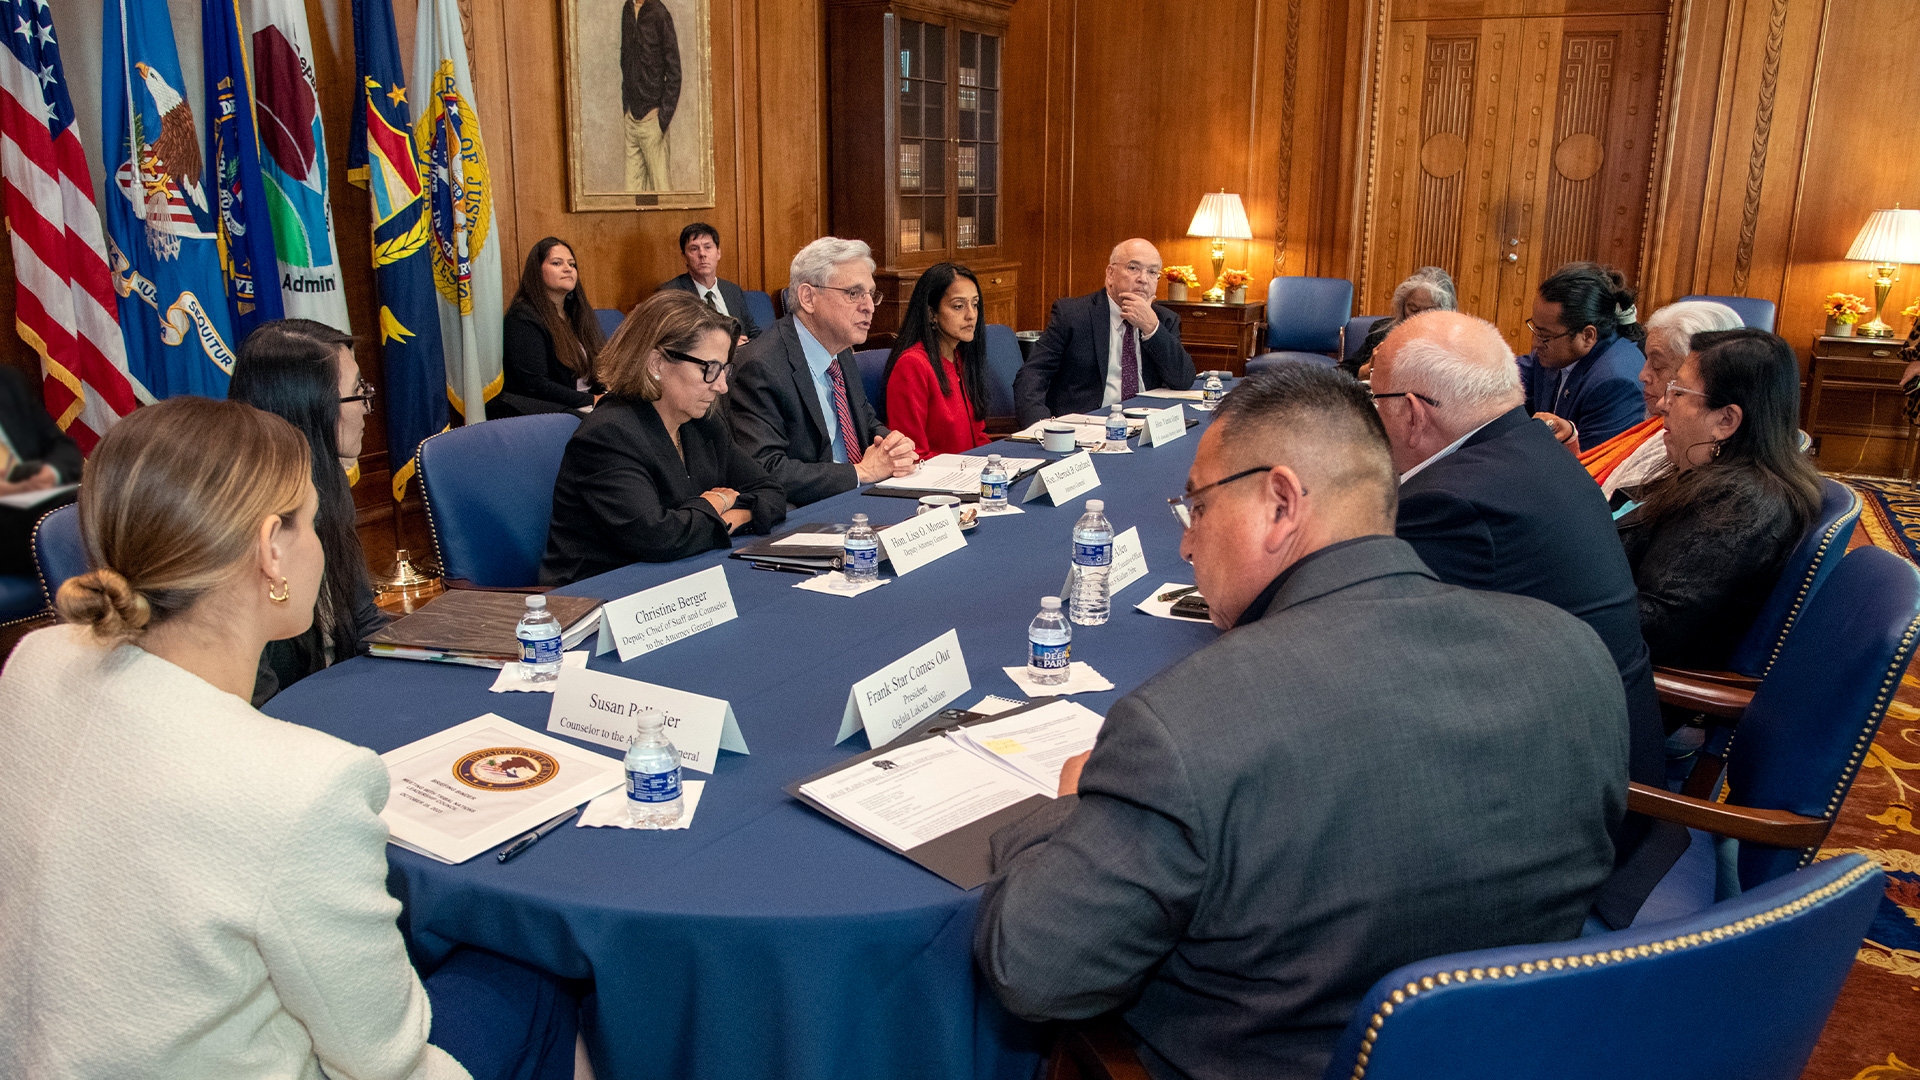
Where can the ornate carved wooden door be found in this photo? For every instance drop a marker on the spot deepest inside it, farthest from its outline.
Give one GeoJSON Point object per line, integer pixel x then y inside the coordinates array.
{"type": "Point", "coordinates": [1507, 144]}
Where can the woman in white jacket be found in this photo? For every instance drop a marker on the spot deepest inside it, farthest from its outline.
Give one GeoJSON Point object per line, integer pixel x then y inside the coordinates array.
{"type": "Point", "coordinates": [193, 889]}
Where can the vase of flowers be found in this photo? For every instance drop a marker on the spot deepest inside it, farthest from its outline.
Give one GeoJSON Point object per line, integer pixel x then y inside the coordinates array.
{"type": "Point", "coordinates": [1842, 311]}
{"type": "Point", "coordinates": [1235, 283]}
{"type": "Point", "coordinates": [1179, 279]}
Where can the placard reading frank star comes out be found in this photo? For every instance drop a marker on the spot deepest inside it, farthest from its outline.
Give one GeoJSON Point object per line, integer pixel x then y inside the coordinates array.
{"type": "Point", "coordinates": [644, 621]}
{"type": "Point", "coordinates": [907, 691]}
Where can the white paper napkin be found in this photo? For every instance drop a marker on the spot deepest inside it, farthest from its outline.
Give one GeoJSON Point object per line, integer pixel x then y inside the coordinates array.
{"type": "Point", "coordinates": [610, 810]}
{"type": "Point", "coordinates": [834, 583]}
{"type": "Point", "coordinates": [513, 677]}
{"type": "Point", "coordinates": [1111, 447]}
{"type": "Point", "coordinates": [1081, 679]}
{"type": "Point", "coordinates": [1163, 609]}
{"type": "Point", "coordinates": [1005, 511]}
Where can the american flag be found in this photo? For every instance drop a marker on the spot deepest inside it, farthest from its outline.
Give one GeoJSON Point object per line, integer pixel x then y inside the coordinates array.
{"type": "Point", "coordinates": [65, 291]}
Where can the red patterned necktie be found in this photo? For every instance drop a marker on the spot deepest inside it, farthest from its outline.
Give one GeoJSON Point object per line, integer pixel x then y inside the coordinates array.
{"type": "Point", "coordinates": [847, 436]}
{"type": "Point", "coordinates": [1129, 362]}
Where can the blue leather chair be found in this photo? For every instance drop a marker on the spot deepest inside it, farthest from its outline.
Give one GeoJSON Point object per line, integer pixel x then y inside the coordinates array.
{"type": "Point", "coordinates": [1807, 567]}
{"type": "Point", "coordinates": [760, 306]}
{"type": "Point", "coordinates": [1003, 363]}
{"type": "Point", "coordinates": [1355, 335]}
{"type": "Point", "coordinates": [1304, 318]}
{"type": "Point", "coordinates": [59, 551]}
{"type": "Point", "coordinates": [610, 320]}
{"type": "Point", "coordinates": [489, 495]}
{"type": "Point", "coordinates": [1753, 311]}
{"type": "Point", "coordinates": [1754, 979]}
{"type": "Point", "coordinates": [873, 368]}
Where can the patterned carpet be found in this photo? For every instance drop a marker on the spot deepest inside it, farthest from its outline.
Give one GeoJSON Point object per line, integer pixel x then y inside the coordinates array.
{"type": "Point", "coordinates": [1874, 1033]}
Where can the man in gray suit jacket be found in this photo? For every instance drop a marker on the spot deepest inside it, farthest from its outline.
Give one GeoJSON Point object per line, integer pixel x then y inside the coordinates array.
{"type": "Point", "coordinates": [1369, 768]}
{"type": "Point", "coordinates": [796, 403]}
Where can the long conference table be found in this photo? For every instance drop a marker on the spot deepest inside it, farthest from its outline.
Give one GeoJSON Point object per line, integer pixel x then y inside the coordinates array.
{"type": "Point", "coordinates": [768, 940]}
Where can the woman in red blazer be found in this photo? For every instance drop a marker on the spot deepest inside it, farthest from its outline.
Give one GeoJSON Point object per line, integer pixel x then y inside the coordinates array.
{"type": "Point", "coordinates": [941, 406]}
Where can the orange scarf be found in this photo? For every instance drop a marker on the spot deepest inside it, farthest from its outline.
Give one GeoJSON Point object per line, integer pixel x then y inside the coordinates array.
{"type": "Point", "coordinates": [1603, 459]}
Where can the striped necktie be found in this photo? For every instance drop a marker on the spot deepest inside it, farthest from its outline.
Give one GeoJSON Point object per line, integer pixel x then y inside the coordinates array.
{"type": "Point", "coordinates": [845, 413]}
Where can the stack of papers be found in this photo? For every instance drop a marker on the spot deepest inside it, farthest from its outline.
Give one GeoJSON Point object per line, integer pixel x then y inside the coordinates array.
{"type": "Point", "coordinates": [954, 474]}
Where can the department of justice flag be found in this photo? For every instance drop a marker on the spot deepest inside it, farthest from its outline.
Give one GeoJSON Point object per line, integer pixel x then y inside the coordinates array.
{"type": "Point", "coordinates": [242, 225]}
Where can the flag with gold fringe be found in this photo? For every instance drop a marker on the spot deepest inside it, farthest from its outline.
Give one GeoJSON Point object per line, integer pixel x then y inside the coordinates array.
{"type": "Point", "coordinates": [381, 159]}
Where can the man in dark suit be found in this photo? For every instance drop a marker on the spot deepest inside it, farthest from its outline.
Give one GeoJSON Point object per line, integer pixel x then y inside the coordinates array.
{"type": "Point", "coordinates": [1354, 777]}
{"type": "Point", "coordinates": [1490, 500]}
{"type": "Point", "coordinates": [649, 90]}
{"type": "Point", "coordinates": [1106, 347]}
{"type": "Point", "coordinates": [700, 247]}
{"type": "Point", "coordinates": [797, 404]}
{"type": "Point", "coordinates": [35, 455]}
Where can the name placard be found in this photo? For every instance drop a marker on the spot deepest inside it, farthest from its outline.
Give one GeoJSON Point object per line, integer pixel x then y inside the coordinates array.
{"type": "Point", "coordinates": [652, 618]}
{"type": "Point", "coordinates": [1064, 479]}
{"type": "Point", "coordinates": [907, 691]}
{"type": "Point", "coordinates": [921, 539]}
{"type": "Point", "coordinates": [598, 707]}
{"type": "Point", "coordinates": [1166, 425]}
{"type": "Point", "coordinates": [1129, 561]}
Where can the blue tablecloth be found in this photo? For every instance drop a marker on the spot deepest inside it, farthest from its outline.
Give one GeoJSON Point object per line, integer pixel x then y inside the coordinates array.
{"type": "Point", "coordinates": [768, 940]}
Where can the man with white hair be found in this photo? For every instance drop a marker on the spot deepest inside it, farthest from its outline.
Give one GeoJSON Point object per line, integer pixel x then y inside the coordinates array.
{"type": "Point", "coordinates": [1639, 454]}
{"type": "Point", "coordinates": [797, 404]}
{"type": "Point", "coordinates": [1491, 501]}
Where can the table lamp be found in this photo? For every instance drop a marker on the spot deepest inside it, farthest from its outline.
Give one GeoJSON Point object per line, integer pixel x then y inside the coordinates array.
{"type": "Point", "coordinates": [1222, 218]}
{"type": "Point", "coordinates": [1889, 238]}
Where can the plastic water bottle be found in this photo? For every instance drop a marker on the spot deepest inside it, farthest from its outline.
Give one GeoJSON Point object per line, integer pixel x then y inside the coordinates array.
{"type": "Point", "coordinates": [1116, 425]}
{"type": "Point", "coordinates": [653, 773]}
{"type": "Point", "coordinates": [993, 485]}
{"type": "Point", "coordinates": [1212, 390]}
{"type": "Point", "coordinates": [539, 634]}
{"type": "Point", "coordinates": [861, 562]}
{"type": "Point", "coordinates": [1049, 644]}
{"type": "Point", "coordinates": [1092, 561]}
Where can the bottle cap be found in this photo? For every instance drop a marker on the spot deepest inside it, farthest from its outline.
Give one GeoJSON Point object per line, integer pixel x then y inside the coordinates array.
{"type": "Point", "coordinates": [1094, 506]}
{"type": "Point", "coordinates": [1049, 603]}
{"type": "Point", "coordinates": [537, 603]}
{"type": "Point", "coordinates": [859, 519]}
{"type": "Point", "coordinates": [650, 718]}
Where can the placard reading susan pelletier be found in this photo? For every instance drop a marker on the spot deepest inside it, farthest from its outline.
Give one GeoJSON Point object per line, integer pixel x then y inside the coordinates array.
{"type": "Point", "coordinates": [639, 88]}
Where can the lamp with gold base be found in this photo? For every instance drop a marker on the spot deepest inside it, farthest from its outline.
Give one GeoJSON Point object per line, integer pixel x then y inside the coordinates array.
{"type": "Point", "coordinates": [1221, 218]}
{"type": "Point", "coordinates": [1889, 238]}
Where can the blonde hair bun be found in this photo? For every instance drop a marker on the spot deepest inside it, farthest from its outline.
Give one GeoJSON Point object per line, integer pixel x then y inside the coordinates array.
{"type": "Point", "coordinates": [106, 602]}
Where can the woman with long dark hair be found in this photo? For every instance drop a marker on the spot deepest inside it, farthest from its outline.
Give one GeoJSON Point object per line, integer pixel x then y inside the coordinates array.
{"type": "Point", "coordinates": [552, 338]}
{"type": "Point", "coordinates": [1582, 378]}
{"type": "Point", "coordinates": [1708, 543]}
{"type": "Point", "coordinates": [304, 372]}
{"type": "Point", "coordinates": [936, 378]}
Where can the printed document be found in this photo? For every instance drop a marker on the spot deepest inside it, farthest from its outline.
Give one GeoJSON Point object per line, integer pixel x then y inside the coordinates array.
{"type": "Point", "coordinates": [957, 474]}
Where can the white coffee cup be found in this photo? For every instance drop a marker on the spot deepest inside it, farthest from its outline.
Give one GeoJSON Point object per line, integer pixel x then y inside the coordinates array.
{"type": "Point", "coordinates": [1057, 438]}
{"type": "Point", "coordinates": [965, 513]}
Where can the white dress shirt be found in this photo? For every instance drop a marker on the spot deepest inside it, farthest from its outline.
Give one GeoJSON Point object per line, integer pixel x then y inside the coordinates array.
{"type": "Point", "coordinates": [1116, 326]}
{"type": "Point", "coordinates": [713, 295]}
{"type": "Point", "coordinates": [1444, 451]}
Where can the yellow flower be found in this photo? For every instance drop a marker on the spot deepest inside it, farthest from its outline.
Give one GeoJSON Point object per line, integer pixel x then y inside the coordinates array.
{"type": "Point", "coordinates": [1235, 279]}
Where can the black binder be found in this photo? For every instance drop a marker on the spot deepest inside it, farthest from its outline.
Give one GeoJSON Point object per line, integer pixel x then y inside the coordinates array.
{"type": "Point", "coordinates": [765, 553]}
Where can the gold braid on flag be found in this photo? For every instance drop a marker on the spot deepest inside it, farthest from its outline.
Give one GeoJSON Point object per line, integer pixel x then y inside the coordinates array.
{"type": "Point", "coordinates": [392, 251]}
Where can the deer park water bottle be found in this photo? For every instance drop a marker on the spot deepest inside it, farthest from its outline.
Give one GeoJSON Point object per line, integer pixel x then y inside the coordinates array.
{"type": "Point", "coordinates": [861, 563]}
{"type": "Point", "coordinates": [653, 773]}
{"type": "Point", "coordinates": [993, 485]}
{"type": "Point", "coordinates": [1116, 424]}
{"type": "Point", "coordinates": [1049, 644]}
{"type": "Point", "coordinates": [539, 634]}
{"type": "Point", "coordinates": [1212, 390]}
{"type": "Point", "coordinates": [1092, 560]}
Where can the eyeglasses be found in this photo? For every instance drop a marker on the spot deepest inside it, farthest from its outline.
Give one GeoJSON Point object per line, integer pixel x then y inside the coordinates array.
{"type": "Point", "coordinates": [1542, 336]}
{"type": "Point", "coordinates": [1377, 398]}
{"type": "Point", "coordinates": [1138, 270]}
{"type": "Point", "coordinates": [855, 295]}
{"type": "Point", "coordinates": [1182, 507]}
{"type": "Point", "coordinates": [362, 393]}
{"type": "Point", "coordinates": [710, 370]}
{"type": "Point", "coordinates": [1675, 388]}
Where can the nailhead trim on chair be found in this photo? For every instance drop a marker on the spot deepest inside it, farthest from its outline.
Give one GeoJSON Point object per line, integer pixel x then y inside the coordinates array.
{"type": "Point", "coordinates": [1595, 959]}
{"type": "Point", "coordinates": [1895, 670]}
{"type": "Point", "coordinates": [1806, 584]}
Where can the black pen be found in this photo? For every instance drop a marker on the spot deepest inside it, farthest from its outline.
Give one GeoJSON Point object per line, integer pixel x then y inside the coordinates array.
{"type": "Point", "coordinates": [533, 837]}
{"type": "Point", "coordinates": [777, 568]}
{"type": "Point", "coordinates": [1175, 594]}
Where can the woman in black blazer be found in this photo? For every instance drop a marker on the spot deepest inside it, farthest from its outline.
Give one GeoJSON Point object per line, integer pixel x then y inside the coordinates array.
{"type": "Point", "coordinates": [552, 338]}
{"type": "Point", "coordinates": [653, 475]}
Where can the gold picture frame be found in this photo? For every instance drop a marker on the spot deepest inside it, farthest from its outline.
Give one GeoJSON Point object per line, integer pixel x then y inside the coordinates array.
{"type": "Point", "coordinates": [613, 161]}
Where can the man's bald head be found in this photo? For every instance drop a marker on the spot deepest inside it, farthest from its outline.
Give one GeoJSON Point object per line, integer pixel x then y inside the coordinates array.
{"type": "Point", "coordinates": [1455, 359]}
{"type": "Point", "coordinates": [1133, 267]}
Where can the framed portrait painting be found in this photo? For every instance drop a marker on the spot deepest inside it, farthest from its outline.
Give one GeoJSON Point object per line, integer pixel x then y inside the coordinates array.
{"type": "Point", "coordinates": [639, 87]}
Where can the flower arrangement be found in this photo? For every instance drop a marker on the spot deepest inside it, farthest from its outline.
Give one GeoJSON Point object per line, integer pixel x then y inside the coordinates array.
{"type": "Point", "coordinates": [1180, 275]}
{"type": "Point", "coordinates": [1844, 307]}
{"type": "Point", "coordinates": [1911, 311]}
{"type": "Point", "coordinates": [1239, 279]}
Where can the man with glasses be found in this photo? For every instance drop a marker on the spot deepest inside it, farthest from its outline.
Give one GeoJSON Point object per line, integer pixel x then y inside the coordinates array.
{"type": "Point", "coordinates": [1355, 776]}
{"type": "Point", "coordinates": [1106, 347]}
{"type": "Point", "coordinates": [797, 404]}
{"type": "Point", "coordinates": [35, 455]}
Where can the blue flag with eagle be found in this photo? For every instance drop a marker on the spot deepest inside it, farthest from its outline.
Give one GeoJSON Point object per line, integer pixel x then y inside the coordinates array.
{"type": "Point", "coordinates": [381, 159]}
{"type": "Point", "coordinates": [244, 226]}
{"type": "Point", "coordinates": [162, 243]}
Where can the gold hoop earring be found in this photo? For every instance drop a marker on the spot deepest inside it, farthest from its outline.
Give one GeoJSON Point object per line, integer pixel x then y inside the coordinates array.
{"type": "Point", "coordinates": [286, 591]}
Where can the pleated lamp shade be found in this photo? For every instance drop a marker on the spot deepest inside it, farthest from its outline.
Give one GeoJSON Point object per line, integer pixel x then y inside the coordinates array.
{"type": "Point", "coordinates": [1221, 215]}
{"type": "Point", "coordinates": [1889, 236]}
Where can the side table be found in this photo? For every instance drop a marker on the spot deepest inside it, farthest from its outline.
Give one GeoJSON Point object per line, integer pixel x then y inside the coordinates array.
{"type": "Point", "coordinates": [1854, 406]}
{"type": "Point", "coordinates": [1220, 337]}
